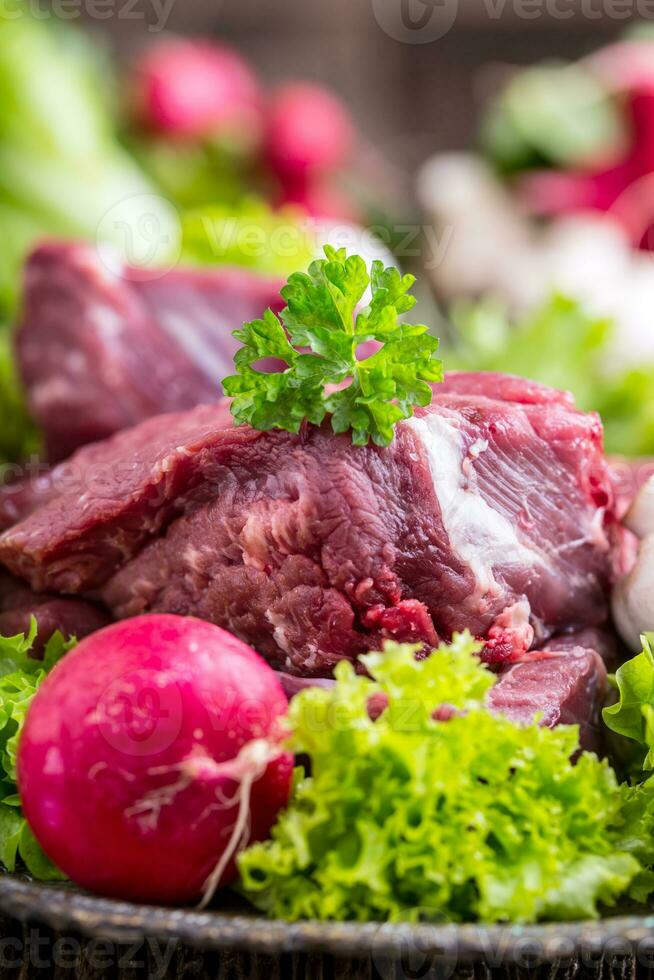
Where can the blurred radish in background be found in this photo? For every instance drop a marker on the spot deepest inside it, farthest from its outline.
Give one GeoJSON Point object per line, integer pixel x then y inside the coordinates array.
{"type": "Point", "coordinates": [209, 134]}
{"type": "Point", "coordinates": [190, 90]}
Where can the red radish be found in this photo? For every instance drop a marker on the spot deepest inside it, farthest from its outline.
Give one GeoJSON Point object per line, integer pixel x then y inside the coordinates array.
{"type": "Point", "coordinates": [320, 199]}
{"type": "Point", "coordinates": [194, 90]}
{"type": "Point", "coordinates": [624, 66]}
{"type": "Point", "coordinates": [309, 132]}
{"type": "Point", "coordinates": [150, 756]}
{"type": "Point", "coordinates": [624, 190]}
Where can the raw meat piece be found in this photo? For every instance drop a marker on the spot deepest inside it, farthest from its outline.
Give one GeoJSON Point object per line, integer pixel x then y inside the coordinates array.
{"type": "Point", "coordinates": [72, 617]}
{"type": "Point", "coordinates": [24, 489]}
{"type": "Point", "coordinates": [604, 641]}
{"type": "Point", "coordinates": [494, 514]}
{"type": "Point", "coordinates": [98, 353]}
{"type": "Point", "coordinates": [567, 688]}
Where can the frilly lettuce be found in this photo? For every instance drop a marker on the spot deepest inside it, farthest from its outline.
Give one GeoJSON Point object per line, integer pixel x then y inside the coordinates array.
{"type": "Point", "coordinates": [62, 168]}
{"type": "Point", "coordinates": [20, 677]}
{"type": "Point", "coordinates": [551, 114]}
{"type": "Point", "coordinates": [248, 234]}
{"type": "Point", "coordinates": [406, 817]}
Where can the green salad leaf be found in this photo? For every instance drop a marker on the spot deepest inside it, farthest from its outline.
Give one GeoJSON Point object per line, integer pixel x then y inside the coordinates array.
{"type": "Point", "coordinates": [632, 716]}
{"type": "Point", "coordinates": [249, 234]}
{"type": "Point", "coordinates": [562, 345]}
{"type": "Point", "coordinates": [20, 677]}
{"type": "Point", "coordinates": [319, 336]}
{"type": "Point", "coordinates": [627, 408]}
{"type": "Point", "coordinates": [559, 343]}
{"type": "Point", "coordinates": [62, 166]}
{"type": "Point", "coordinates": [473, 818]}
{"type": "Point", "coordinates": [554, 114]}
{"type": "Point", "coordinates": [18, 435]}
{"type": "Point", "coordinates": [635, 835]}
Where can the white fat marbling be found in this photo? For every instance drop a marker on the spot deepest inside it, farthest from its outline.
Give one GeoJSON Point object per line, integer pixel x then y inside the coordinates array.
{"type": "Point", "coordinates": [482, 538]}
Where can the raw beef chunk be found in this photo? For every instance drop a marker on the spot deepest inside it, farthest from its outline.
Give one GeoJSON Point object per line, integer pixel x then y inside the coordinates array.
{"type": "Point", "coordinates": [491, 510]}
{"type": "Point", "coordinates": [567, 688]}
{"type": "Point", "coordinates": [72, 617]}
{"type": "Point", "coordinates": [98, 353]}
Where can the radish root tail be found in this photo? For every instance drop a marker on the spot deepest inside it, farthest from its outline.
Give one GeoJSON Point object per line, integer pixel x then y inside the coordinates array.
{"type": "Point", "coordinates": [248, 766]}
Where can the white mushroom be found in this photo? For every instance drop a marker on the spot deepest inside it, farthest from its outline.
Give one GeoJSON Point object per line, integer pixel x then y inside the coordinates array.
{"type": "Point", "coordinates": [477, 225]}
{"type": "Point", "coordinates": [633, 597]}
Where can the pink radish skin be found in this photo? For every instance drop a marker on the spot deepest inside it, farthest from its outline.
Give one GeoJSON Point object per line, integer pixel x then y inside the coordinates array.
{"type": "Point", "coordinates": [150, 755]}
{"type": "Point", "coordinates": [623, 189]}
{"type": "Point", "coordinates": [320, 199]}
{"type": "Point", "coordinates": [309, 132]}
{"type": "Point", "coordinates": [193, 90]}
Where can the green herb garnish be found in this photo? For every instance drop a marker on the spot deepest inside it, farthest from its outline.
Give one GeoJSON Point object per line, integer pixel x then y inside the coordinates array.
{"type": "Point", "coordinates": [318, 337]}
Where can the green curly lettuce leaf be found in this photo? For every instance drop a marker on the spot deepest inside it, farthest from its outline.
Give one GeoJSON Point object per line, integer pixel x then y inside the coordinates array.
{"type": "Point", "coordinates": [20, 677]}
{"type": "Point", "coordinates": [635, 835]}
{"type": "Point", "coordinates": [558, 344]}
{"type": "Point", "coordinates": [407, 817]}
{"type": "Point", "coordinates": [631, 720]}
{"type": "Point", "coordinates": [627, 408]}
{"type": "Point", "coordinates": [318, 337]}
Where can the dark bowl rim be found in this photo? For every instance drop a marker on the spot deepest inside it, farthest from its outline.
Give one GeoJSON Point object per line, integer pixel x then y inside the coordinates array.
{"type": "Point", "coordinates": [62, 908]}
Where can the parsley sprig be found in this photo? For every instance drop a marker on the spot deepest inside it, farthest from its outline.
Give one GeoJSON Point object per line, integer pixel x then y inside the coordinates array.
{"type": "Point", "coordinates": [318, 336]}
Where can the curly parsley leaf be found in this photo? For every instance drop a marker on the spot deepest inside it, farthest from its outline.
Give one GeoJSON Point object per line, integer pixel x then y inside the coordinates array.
{"type": "Point", "coordinates": [318, 337]}
{"type": "Point", "coordinates": [20, 677]}
{"type": "Point", "coordinates": [475, 818]}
